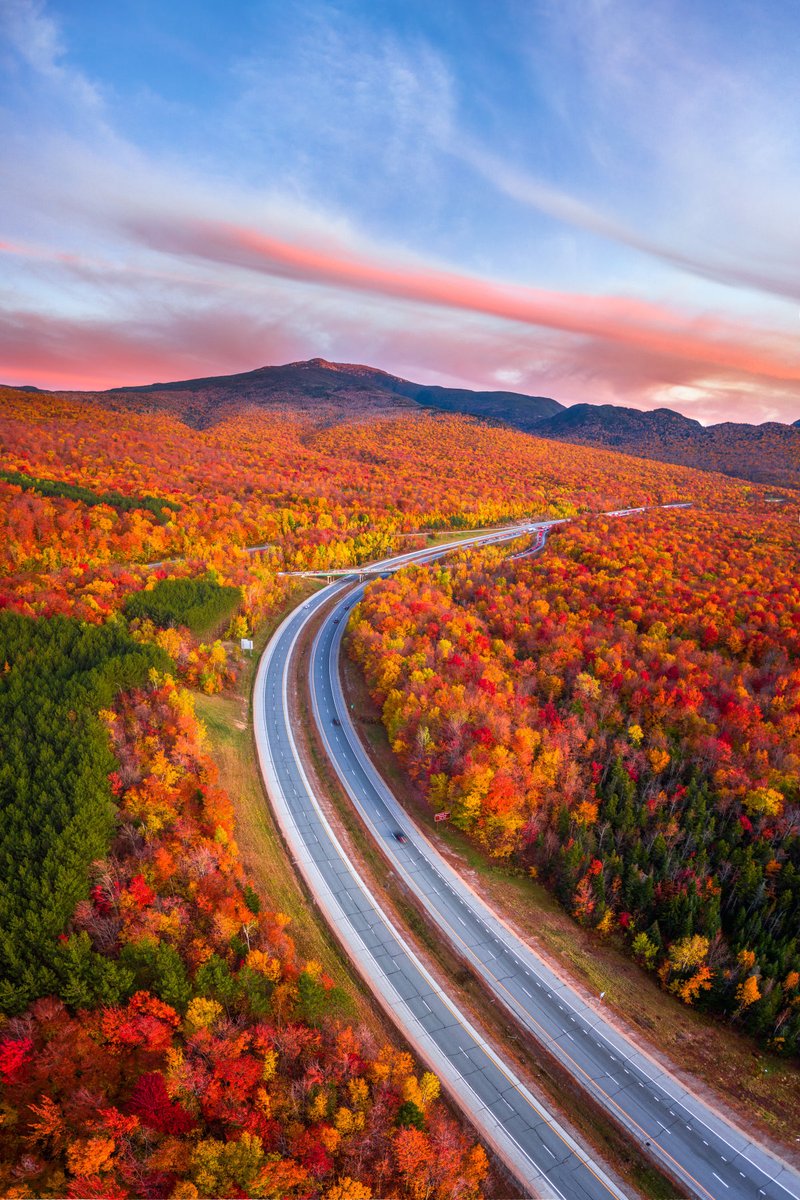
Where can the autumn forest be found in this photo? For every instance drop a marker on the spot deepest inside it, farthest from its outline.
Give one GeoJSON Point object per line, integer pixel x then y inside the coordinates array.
{"type": "Point", "coordinates": [616, 712]}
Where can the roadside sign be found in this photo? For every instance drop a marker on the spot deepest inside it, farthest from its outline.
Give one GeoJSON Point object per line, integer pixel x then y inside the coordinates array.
{"type": "Point", "coordinates": [247, 643]}
{"type": "Point", "coordinates": [441, 816]}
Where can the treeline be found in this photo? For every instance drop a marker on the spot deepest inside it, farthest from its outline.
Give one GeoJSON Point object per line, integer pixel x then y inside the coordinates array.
{"type": "Point", "coordinates": [160, 508]}
{"type": "Point", "coordinates": [56, 812]}
{"type": "Point", "coordinates": [199, 604]}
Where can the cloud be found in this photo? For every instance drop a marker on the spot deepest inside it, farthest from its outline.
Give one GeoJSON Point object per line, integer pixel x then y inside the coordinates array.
{"type": "Point", "coordinates": [346, 109]}
{"type": "Point", "coordinates": [66, 353]}
{"type": "Point", "coordinates": [702, 340]}
{"type": "Point", "coordinates": [682, 138]}
{"type": "Point", "coordinates": [36, 39]}
{"type": "Point", "coordinates": [425, 324]}
{"type": "Point", "coordinates": [774, 276]}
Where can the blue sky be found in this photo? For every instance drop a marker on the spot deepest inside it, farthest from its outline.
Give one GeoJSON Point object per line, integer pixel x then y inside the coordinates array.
{"type": "Point", "coordinates": [593, 199]}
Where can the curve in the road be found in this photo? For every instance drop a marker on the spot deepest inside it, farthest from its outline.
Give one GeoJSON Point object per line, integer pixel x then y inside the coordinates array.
{"type": "Point", "coordinates": [712, 1157]}
{"type": "Point", "coordinates": [529, 1139]}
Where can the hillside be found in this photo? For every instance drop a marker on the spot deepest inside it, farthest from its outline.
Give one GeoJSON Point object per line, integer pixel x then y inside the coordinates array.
{"type": "Point", "coordinates": [512, 408]}
{"type": "Point", "coordinates": [164, 1011]}
{"type": "Point", "coordinates": [768, 453]}
{"type": "Point", "coordinates": [334, 392]}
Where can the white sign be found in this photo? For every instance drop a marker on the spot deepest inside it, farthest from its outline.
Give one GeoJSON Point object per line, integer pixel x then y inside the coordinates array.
{"type": "Point", "coordinates": [247, 643]}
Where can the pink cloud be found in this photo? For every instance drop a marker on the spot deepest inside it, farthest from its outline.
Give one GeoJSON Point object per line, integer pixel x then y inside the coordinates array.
{"type": "Point", "coordinates": [702, 340]}
{"type": "Point", "coordinates": [62, 353]}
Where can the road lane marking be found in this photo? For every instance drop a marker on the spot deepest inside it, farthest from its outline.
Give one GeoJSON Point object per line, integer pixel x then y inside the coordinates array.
{"type": "Point", "coordinates": [722, 1181]}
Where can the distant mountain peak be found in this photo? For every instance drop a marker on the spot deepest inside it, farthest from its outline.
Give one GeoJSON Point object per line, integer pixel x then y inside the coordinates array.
{"type": "Point", "coordinates": [340, 368]}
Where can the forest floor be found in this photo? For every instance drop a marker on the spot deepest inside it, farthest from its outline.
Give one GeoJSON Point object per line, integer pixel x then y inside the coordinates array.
{"type": "Point", "coordinates": [730, 1071]}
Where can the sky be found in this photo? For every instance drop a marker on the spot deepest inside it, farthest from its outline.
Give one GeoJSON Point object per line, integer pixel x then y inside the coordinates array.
{"type": "Point", "coordinates": [596, 200]}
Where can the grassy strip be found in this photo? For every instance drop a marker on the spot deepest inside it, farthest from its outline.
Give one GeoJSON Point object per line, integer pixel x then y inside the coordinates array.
{"type": "Point", "coordinates": [543, 1073]}
{"type": "Point", "coordinates": [448, 535]}
{"type": "Point", "coordinates": [762, 1089]}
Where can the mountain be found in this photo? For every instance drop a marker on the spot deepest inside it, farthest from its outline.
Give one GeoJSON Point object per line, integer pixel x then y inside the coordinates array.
{"type": "Point", "coordinates": [331, 392]}
{"type": "Point", "coordinates": [327, 390]}
{"type": "Point", "coordinates": [513, 408]}
{"type": "Point", "coordinates": [614, 426]}
{"type": "Point", "coordinates": [768, 453]}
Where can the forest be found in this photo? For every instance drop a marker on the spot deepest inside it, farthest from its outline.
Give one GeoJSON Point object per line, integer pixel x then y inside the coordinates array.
{"type": "Point", "coordinates": [55, 800]}
{"type": "Point", "coordinates": [622, 718]}
{"type": "Point", "coordinates": [198, 604]}
{"type": "Point", "coordinates": [50, 487]}
{"type": "Point", "coordinates": [620, 713]}
{"type": "Point", "coordinates": [217, 1065]}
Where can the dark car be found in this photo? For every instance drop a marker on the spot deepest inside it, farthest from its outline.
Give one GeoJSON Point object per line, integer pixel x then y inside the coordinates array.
{"type": "Point", "coordinates": [399, 836]}
{"type": "Point", "coordinates": [336, 721]}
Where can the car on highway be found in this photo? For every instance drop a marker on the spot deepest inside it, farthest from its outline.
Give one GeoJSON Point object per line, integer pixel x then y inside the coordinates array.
{"type": "Point", "coordinates": [399, 836]}
{"type": "Point", "coordinates": [336, 721]}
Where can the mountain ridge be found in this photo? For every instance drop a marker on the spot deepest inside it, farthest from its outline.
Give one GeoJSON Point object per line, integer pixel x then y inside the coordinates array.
{"type": "Point", "coordinates": [330, 392]}
{"type": "Point", "coordinates": [768, 453]}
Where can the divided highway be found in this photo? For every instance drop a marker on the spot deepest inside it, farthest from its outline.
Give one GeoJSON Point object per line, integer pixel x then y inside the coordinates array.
{"type": "Point", "coordinates": [538, 1151]}
{"type": "Point", "coordinates": [695, 1144]}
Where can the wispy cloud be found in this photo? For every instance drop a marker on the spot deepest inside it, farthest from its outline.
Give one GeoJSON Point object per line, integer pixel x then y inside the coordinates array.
{"type": "Point", "coordinates": [690, 153]}
{"type": "Point", "coordinates": [36, 39]}
{"type": "Point", "coordinates": [775, 274]}
{"type": "Point", "coordinates": [699, 339]}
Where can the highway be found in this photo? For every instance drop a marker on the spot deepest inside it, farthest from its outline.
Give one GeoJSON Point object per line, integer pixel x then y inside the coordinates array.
{"type": "Point", "coordinates": [538, 1151]}
{"type": "Point", "coordinates": [710, 1155]}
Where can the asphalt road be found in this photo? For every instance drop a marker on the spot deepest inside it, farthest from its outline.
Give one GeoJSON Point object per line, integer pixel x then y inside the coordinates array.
{"type": "Point", "coordinates": [539, 1152]}
{"type": "Point", "coordinates": [710, 1155]}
